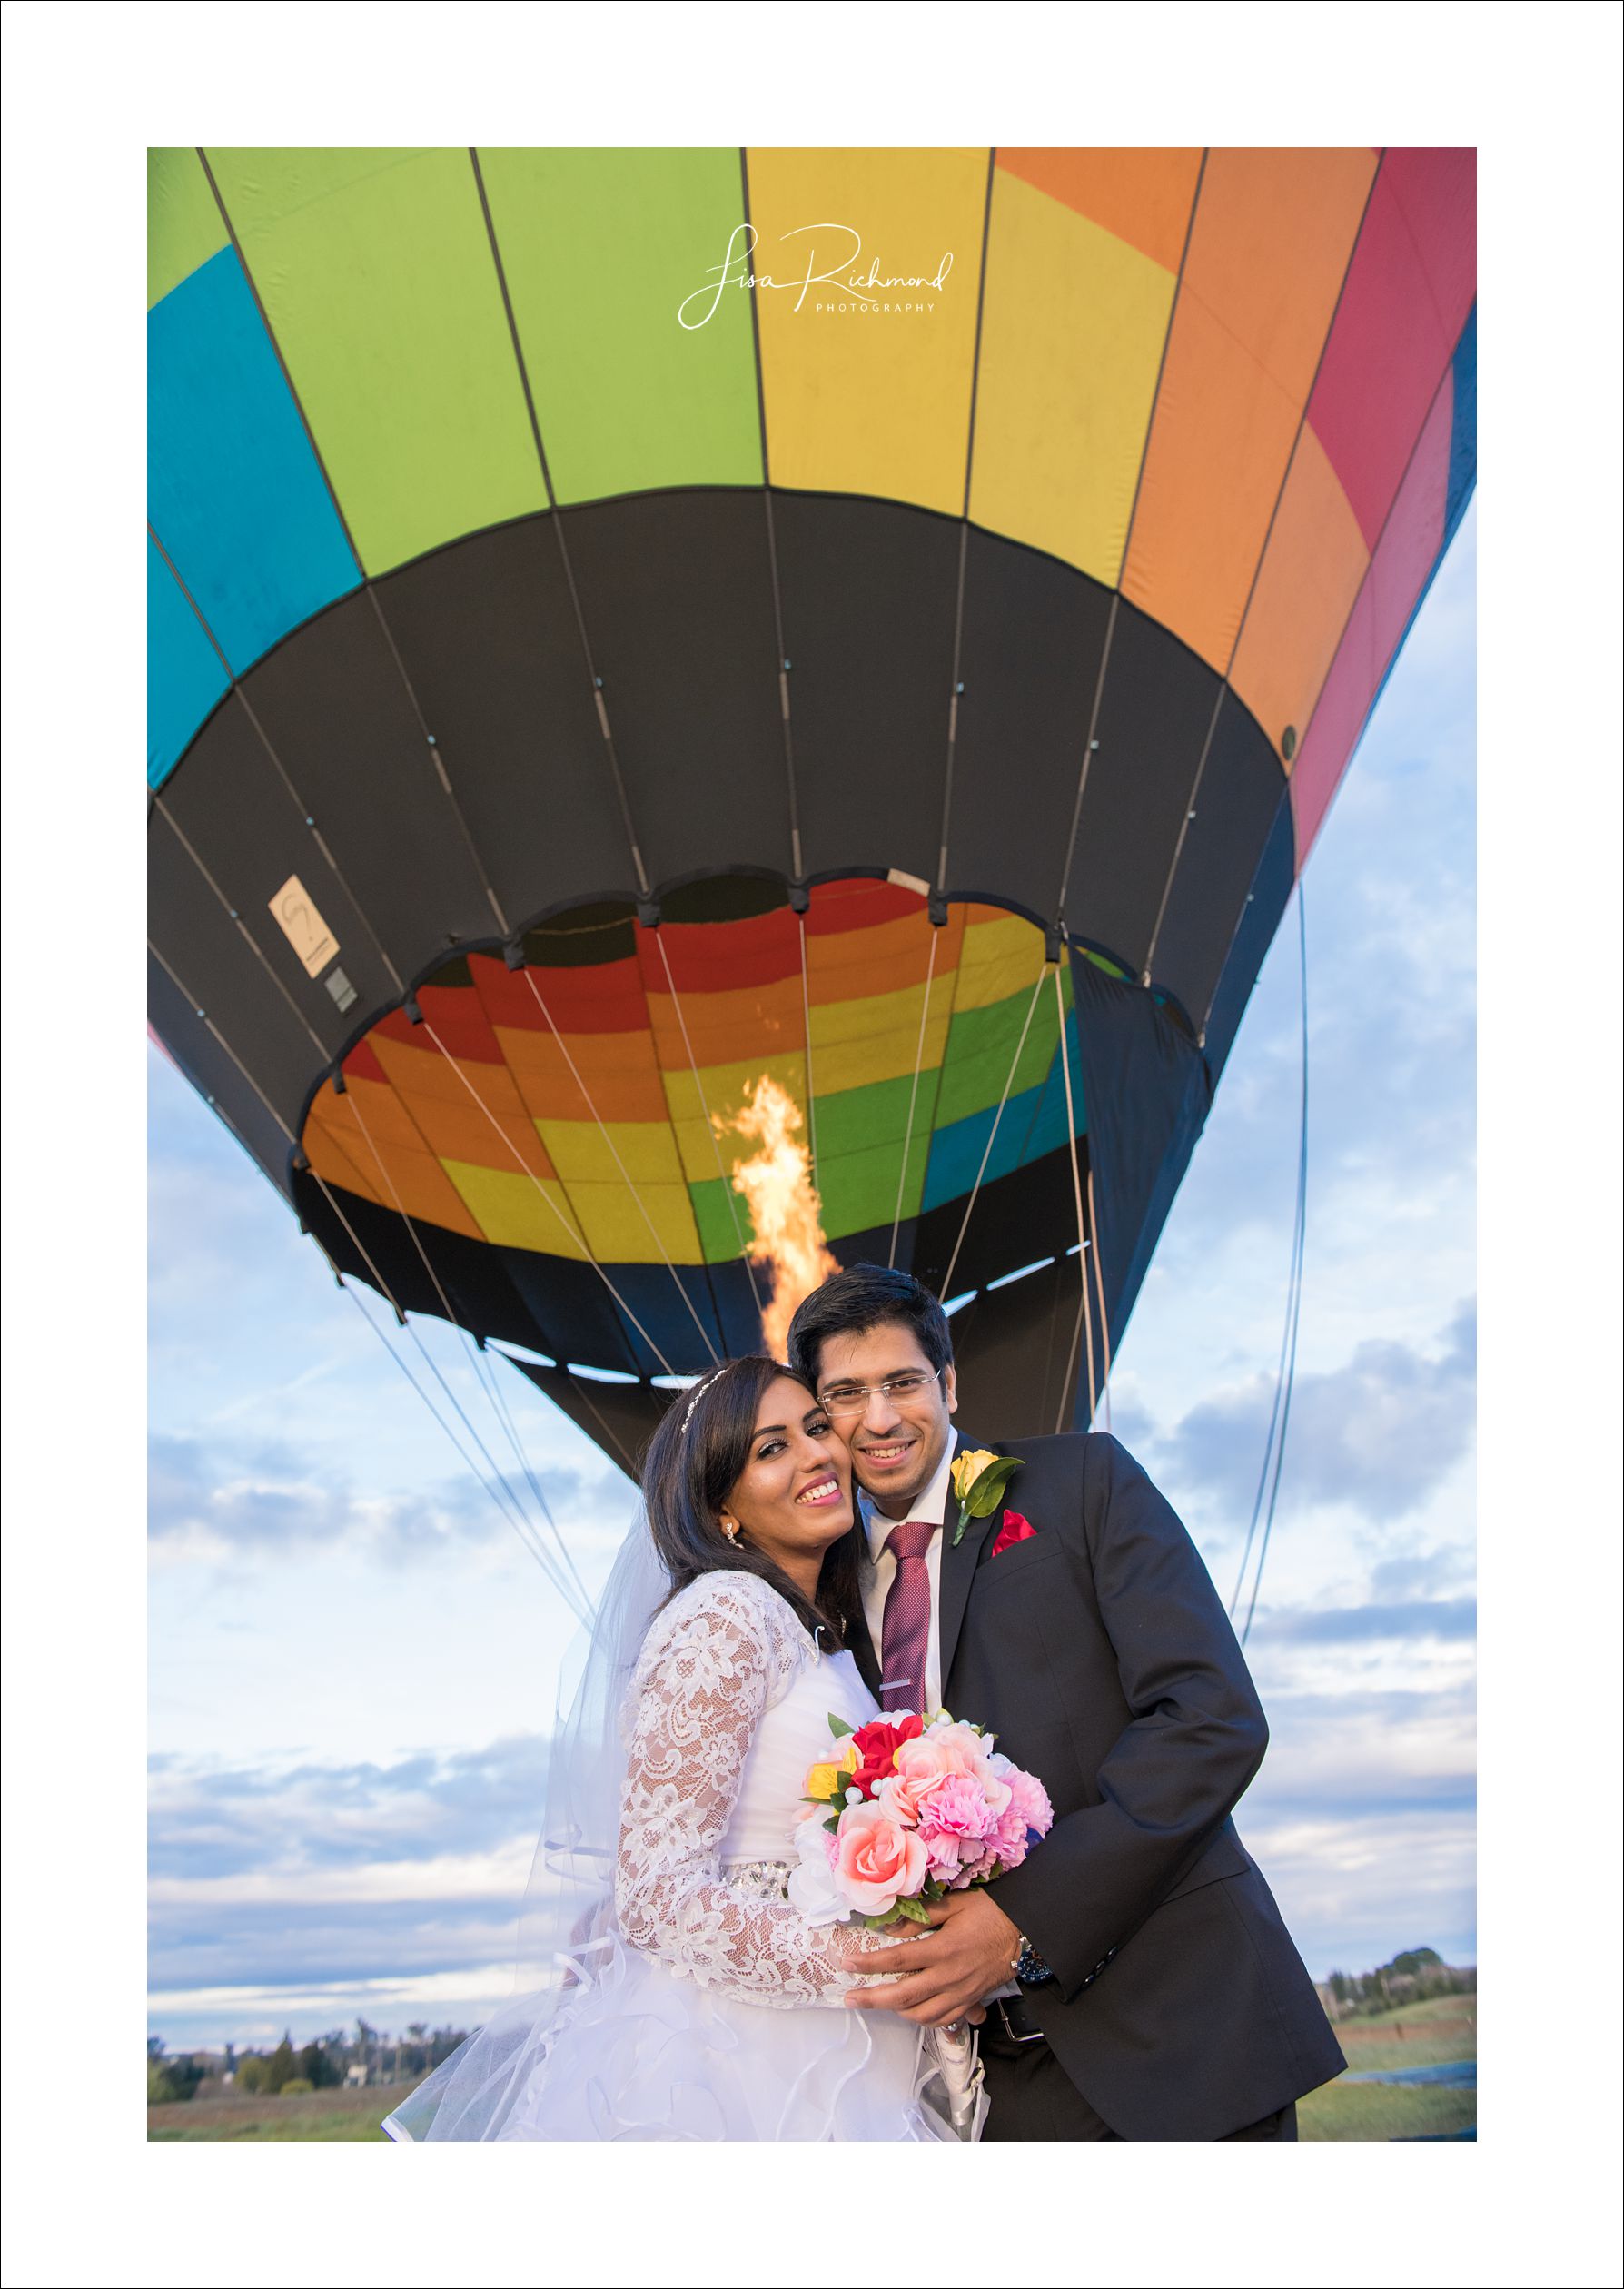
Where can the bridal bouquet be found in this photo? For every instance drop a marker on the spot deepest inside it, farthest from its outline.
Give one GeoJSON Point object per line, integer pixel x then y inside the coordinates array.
{"type": "Point", "coordinates": [911, 1811]}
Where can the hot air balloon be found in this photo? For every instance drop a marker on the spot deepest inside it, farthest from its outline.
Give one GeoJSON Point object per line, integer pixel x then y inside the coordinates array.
{"type": "Point", "coordinates": [661, 658]}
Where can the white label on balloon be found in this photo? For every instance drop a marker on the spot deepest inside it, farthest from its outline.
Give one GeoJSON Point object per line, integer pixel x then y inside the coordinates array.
{"type": "Point", "coordinates": [302, 927]}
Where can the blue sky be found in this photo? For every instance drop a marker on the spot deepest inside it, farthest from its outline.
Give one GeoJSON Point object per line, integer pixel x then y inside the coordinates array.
{"type": "Point", "coordinates": [353, 1659]}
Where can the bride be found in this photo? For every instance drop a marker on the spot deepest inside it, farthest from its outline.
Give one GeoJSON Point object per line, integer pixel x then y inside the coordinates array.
{"type": "Point", "coordinates": [685, 1997]}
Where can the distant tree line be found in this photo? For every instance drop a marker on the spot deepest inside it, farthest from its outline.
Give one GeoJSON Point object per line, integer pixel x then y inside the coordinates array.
{"type": "Point", "coordinates": [290, 2071]}
{"type": "Point", "coordinates": [1413, 1976]}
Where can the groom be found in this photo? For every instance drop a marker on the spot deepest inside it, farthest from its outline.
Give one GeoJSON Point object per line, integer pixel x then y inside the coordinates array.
{"type": "Point", "coordinates": [1143, 1984]}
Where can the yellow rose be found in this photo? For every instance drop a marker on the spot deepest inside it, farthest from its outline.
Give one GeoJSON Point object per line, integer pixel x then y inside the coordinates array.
{"type": "Point", "coordinates": [967, 1468]}
{"type": "Point", "coordinates": [851, 1760]}
{"type": "Point", "coordinates": [823, 1782]}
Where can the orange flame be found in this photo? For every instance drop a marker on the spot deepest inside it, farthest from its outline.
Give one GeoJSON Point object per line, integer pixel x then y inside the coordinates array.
{"type": "Point", "coordinates": [777, 1184]}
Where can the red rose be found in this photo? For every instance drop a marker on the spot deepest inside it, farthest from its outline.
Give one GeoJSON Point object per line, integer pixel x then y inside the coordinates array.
{"type": "Point", "coordinates": [877, 1744]}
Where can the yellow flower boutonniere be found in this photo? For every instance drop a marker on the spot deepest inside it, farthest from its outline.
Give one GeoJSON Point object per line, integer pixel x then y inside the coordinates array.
{"type": "Point", "coordinates": [979, 1478]}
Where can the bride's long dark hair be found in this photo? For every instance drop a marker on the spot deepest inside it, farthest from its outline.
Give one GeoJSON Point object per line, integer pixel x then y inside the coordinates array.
{"type": "Point", "coordinates": [695, 1458]}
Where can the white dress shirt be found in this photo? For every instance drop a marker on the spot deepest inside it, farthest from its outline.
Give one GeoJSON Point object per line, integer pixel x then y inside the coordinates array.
{"type": "Point", "coordinates": [931, 1504]}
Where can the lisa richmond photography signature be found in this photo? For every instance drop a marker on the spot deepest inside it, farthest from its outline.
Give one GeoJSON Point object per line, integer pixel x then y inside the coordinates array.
{"type": "Point", "coordinates": [865, 288]}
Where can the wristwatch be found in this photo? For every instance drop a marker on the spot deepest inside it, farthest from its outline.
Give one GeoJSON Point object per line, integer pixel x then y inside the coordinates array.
{"type": "Point", "coordinates": [1029, 1969]}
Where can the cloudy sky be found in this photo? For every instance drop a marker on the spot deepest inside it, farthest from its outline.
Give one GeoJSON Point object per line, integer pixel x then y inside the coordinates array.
{"type": "Point", "coordinates": [353, 1658]}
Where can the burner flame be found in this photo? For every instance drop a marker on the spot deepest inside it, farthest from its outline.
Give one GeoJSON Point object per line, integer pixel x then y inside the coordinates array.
{"type": "Point", "coordinates": [775, 1182]}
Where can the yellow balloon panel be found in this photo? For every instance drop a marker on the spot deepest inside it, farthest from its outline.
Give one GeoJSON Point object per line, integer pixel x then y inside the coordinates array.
{"type": "Point", "coordinates": [866, 387]}
{"type": "Point", "coordinates": [1072, 337]}
{"type": "Point", "coordinates": [516, 1211]}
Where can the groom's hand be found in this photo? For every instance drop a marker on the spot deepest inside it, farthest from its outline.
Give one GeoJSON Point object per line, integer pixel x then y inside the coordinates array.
{"type": "Point", "coordinates": [946, 1971]}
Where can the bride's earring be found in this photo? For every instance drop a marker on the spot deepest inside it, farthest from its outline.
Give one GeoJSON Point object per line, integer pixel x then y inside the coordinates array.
{"type": "Point", "coordinates": [730, 1527]}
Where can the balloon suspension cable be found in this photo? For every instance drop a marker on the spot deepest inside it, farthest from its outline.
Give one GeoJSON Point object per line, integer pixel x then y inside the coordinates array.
{"type": "Point", "coordinates": [510, 1509]}
{"type": "Point", "coordinates": [806, 1035]}
{"type": "Point", "coordinates": [479, 1360]}
{"type": "Point", "coordinates": [578, 1236]}
{"type": "Point", "coordinates": [907, 1140]}
{"type": "Point", "coordinates": [1099, 1289]}
{"type": "Point", "coordinates": [1281, 1414]}
{"type": "Point", "coordinates": [1037, 986]}
{"type": "Point", "coordinates": [271, 973]}
{"type": "Point", "coordinates": [1084, 1316]}
{"type": "Point", "coordinates": [507, 1502]}
{"type": "Point", "coordinates": [578, 1602]}
{"type": "Point", "coordinates": [575, 1074]}
{"type": "Point", "coordinates": [716, 1143]}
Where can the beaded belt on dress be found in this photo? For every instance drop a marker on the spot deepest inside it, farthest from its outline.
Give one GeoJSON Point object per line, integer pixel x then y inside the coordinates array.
{"type": "Point", "coordinates": [766, 1877]}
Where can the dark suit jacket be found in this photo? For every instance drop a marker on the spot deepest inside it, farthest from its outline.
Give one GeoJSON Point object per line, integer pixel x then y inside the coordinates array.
{"type": "Point", "coordinates": [1100, 1654]}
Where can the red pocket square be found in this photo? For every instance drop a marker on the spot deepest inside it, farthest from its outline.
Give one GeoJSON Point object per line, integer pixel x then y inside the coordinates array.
{"type": "Point", "coordinates": [1015, 1528]}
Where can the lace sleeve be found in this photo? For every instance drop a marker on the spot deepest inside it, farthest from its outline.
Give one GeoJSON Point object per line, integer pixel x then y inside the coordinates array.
{"type": "Point", "coordinates": [702, 1688]}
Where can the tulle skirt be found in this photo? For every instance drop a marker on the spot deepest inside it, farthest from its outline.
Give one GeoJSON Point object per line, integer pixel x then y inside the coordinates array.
{"type": "Point", "coordinates": [633, 2050]}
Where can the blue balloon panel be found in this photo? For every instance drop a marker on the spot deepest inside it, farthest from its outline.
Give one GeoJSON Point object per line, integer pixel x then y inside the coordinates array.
{"type": "Point", "coordinates": [235, 493]}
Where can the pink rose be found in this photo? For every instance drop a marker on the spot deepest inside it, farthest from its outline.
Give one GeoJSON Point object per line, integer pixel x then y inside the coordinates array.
{"type": "Point", "coordinates": [938, 1754]}
{"type": "Point", "coordinates": [876, 1859]}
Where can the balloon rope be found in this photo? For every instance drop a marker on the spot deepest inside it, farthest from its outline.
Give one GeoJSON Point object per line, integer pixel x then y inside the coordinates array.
{"type": "Point", "coordinates": [806, 1035]}
{"type": "Point", "coordinates": [1037, 986]}
{"type": "Point", "coordinates": [1071, 1138]}
{"type": "Point", "coordinates": [514, 1515]}
{"type": "Point", "coordinates": [1099, 1283]}
{"type": "Point", "coordinates": [484, 1372]}
{"type": "Point", "coordinates": [430, 743]}
{"type": "Point", "coordinates": [907, 1141]}
{"type": "Point", "coordinates": [716, 1144]}
{"type": "Point", "coordinates": [578, 1603]}
{"type": "Point", "coordinates": [578, 1237]}
{"type": "Point", "coordinates": [530, 977]}
{"type": "Point", "coordinates": [1287, 1374]}
{"type": "Point", "coordinates": [1224, 683]}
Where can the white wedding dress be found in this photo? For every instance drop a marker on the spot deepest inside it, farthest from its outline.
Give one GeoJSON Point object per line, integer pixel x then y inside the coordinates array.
{"type": "Point", "coordinates": [710, 2009]}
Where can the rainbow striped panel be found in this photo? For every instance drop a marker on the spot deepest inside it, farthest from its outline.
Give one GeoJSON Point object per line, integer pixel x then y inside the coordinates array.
{"type": "Point", "coordinates": [582, 1111]}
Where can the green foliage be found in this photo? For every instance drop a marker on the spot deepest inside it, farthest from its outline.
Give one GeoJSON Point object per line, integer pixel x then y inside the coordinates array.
{"type": "Point", "coordinates": [296, 2086]}
{"type": "Point", "coordinates": [1413, 1976]}
{"type": "Point", "coordinates": [318, 2067]}
{"type": "Point", "coordinates": [251, 2073]}
{"type": "Point", "coordinates": [170, 2079]}
{"type": "Point", "coordinates": [1414, 1961]}
{"type": "Point", "coordinates": [281, 2065]}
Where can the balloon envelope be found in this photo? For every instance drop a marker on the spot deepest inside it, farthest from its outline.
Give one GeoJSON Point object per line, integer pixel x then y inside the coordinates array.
{"type": "Point", "coordinates": [583, 682]}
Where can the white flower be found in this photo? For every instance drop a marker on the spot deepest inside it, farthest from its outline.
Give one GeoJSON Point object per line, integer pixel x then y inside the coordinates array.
{"type": "Point", "coordinates": [812, 1889]}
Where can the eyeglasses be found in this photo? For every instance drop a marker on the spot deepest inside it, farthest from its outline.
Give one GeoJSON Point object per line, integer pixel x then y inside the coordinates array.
{"type": "Point", "coordinates": [852, 1399]}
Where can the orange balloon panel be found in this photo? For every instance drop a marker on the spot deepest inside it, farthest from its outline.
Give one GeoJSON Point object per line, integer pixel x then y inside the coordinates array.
{"type": "Point", "coordinates": [1141, 196]}
{"type": "Point", "coordinates": [1305, 592]}
{"type": "Point", "coordinates": [1272, 236]}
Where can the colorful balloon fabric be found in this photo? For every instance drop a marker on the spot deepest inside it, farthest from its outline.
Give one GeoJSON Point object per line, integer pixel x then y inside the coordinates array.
{"type": "Point", "coordinates": [582, 683]}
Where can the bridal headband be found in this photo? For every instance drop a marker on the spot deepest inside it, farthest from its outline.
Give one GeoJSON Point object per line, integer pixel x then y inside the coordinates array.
{"type": "Point", "coordinates": [700, 1388]}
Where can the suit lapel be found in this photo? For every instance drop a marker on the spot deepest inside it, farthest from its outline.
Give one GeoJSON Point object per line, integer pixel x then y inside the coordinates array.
{"type": "Point", "coordinates": [958, 1570]}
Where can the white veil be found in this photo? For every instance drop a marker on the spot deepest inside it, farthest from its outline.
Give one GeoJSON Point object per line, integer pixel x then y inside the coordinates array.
{"type": "Point", "coordinates": [567, 1935]}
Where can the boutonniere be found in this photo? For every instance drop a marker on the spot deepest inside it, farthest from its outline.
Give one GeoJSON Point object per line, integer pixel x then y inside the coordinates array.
{"type": "Point", "coordinates": [979, 1478]}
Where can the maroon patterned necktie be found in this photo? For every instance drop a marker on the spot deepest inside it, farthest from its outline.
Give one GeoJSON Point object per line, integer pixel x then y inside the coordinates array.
{"type": "Point", "coordinates": [905, 1624]}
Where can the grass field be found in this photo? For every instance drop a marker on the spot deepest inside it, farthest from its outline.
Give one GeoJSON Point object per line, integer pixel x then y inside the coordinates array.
{"type": "Point", "coordinates": [1423, 2035]}
{"type": "Point", "coordinates": [1420, 2035]}
{"type": "Point", "coordinates": [310, 2116]}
